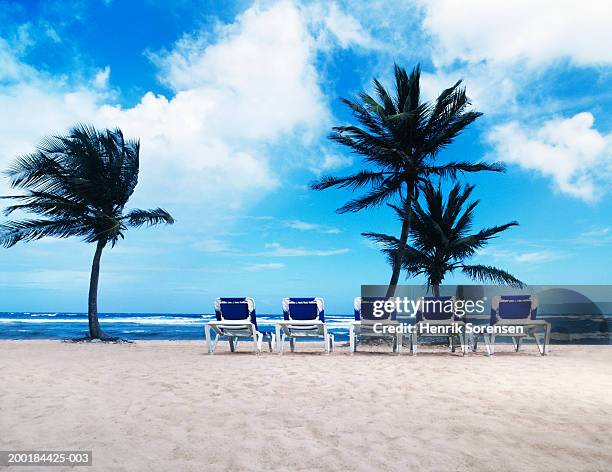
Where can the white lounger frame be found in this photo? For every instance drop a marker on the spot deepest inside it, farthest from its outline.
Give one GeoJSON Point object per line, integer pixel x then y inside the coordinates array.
{"type": "Point", "coordinates": [295, 329]}
{"type": "Point", "coordinates": [449, 322]}
{"type": "Point", "coordinates": [531, 325]}
{"type": "Point", "coordinates": [233, 330]}
{"type": "Point", "coordinates": [360, 329]}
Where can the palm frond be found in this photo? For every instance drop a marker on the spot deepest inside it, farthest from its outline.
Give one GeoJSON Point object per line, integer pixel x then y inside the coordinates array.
{"type": "Point", "coordinates": [373, 198]}
{"type": "Point", "coordinates": [13, 232]}
{"type": "Point", "coordinates": [360, 179]}
{"type": "Point", "coordinates": [157, 216]}
{"type": "Point", "coordinates": [43, 203]}
{"type": "Point", "coordinates": [485, 274]}
{"type": "Point", "coordinates": [384, 240]}
{"type": "Point", "coordinates": [453, 169]}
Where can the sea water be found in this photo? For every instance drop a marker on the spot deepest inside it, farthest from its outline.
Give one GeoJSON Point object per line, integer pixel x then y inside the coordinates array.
{"type": "Point", "coordinates": [574, 329]}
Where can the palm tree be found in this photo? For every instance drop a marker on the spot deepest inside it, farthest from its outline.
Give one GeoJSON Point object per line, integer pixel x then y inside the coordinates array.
{"type": "Point", "coordinates": [401, 137]}
{"type": "Point", "coordinates": [78, 185]}
{"type": "Point", "coordinates": [442, 241]}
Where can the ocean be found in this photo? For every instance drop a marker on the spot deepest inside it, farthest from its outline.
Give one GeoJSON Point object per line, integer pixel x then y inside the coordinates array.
{"type": "Point", "coordinates": [573, 329]}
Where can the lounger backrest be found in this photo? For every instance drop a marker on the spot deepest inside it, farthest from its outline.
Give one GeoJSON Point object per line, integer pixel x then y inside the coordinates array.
{"type": "Point", "coordinates": [234, 309]}
{"type": "Point", "coordinates": [303, 309]}
{"type": "Point", "coordinates": [436, 309]}
{"type": "Point", "coordinates": [364, 309]}
{"type": "Point", "coordinates": [514, 307]}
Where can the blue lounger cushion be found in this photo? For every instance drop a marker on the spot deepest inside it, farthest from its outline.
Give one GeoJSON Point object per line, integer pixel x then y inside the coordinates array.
{"type": "Point", "coordinates": [234, 309]}
{"type": "Point", "coordinates": [365, 310]}
{"type": "Point", "coordinates": [303, 309]}
{"type": "Point", "coordinates": [435, 311]}
{"type": "Point", "coordinates": [514, 307]}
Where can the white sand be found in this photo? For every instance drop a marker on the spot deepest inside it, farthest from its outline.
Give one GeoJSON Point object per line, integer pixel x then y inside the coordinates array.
{"type": "Point", "coordinates": [170, 406]}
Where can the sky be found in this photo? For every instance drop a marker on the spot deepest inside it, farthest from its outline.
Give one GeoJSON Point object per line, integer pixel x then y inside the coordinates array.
{"type": "Point", "coordinates": [233, 103]}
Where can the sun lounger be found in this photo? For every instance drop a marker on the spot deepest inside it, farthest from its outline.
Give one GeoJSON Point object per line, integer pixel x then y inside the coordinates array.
{"type": "Point", "coordinates": [303, 318]}
{"type": "Point", "coordinates": [517, 311]}
{"type": "Point", "coordinates": [439, 313]}
{"type": "Point", "coordinates": [236, 319]}
{"type": "Point", "coordinates": [365, 321]}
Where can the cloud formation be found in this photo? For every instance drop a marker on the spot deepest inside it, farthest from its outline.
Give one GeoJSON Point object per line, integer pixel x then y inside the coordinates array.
{"type": "Point", "coordinates": [236, 97]}
{"type": "Point", "coordinates": [278, 250]}
{"type": "Point", "coordinates": [264, 266]}
{"type": "Point", "coordinates": [305, 226]}
{"type": "Point", "coordinates": [570, 151]}
{"type": "Point", "coordinates": [537, 32]}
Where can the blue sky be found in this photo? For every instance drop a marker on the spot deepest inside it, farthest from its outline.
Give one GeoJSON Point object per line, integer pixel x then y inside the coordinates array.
{"type": "Point", "coordinates": [233, 105]}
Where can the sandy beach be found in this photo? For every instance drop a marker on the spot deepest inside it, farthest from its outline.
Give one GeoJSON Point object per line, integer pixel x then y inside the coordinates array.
{"type": "Point", "coordinates": [169, 406]}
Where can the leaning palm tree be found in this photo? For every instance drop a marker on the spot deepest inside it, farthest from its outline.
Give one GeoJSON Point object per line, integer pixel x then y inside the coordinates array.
{"type": "Point", "coordinates": [442, 241]}
{"type": "Point", "coordinates": [400, 137]}
{"type": "Point", "coordinates": [78, 185]}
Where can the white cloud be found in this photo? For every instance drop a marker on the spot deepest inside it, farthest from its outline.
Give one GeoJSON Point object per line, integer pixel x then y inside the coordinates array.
{"type": "Point", "coordinates": [305, 226]}
{"type": "Point", "coordinates": [537, 256]}
{"type": "Point", "coordinates": [594, 237]}
{"type": "Point", "coordinates": [492, 90]}
{"type": "Point", "coordinates": [328, 162]}
{"type": "Point", "coordinates": [330, 20]}
{"type": "Point", "coordinates": [213, 245]}
{"type": "Point", "coordinates": [222, 247]}
{"type": "Point", "coordinates": [101, 78]}
{"type": "Point", "coordinates": [520, 256]}
{"type": "Point", "coordinates": [571, 151]}
{"type": "Point", "coordinates": [537, 32]}
{"type": "Point", "coordinates": [265, 266]}
{"type": "Point", "coordinates": [12, 68]}
{"type": "Point", "coordinates": [501, 49]}
{"type": "Point", "coordinates": [277, 250]}
{"type": "Point", "coordinates": [52, 34]}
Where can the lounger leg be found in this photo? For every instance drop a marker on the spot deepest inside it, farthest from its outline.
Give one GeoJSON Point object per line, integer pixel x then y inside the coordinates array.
{"type": "Point", "coordinates": [542, 344]}
{"type": "Point", "coordinates": [452, 344]}
{"type": "Point", "coordinates": [259, 342]}
{"type": "Point", "coordinates": [332, 340]}
{"type": "Point", "coordinates": [352, 338]}
{"type": "Point", "coordinates": [231, 343]}
{"type": "Point", "coordinates": [518, 343]}
{"type": "Point", "coordinates": [214, 343]}
{"type": "Point", "coordinates": [400, 340]}
{"type": "Point", "coordinates": [207, 336]}
{"type": "Point", "coordinates": [271, 341]}
{"type": "Point", "coordinates": [537, 341]}
{"type": "Point", "coordinates": [487, 342]}
{"type": "Point", "coordinates": [492, 342]}
{"type": "Point", "coordinates": [325, 338]}
{"type": "Point", "coordinates": [414, 342]}
{"type": "Point", "coordinates": [514, 344]}
{"type": "Point", "coordinates": [546, 338]}
{"type": "Point", "coordinates": [279, 345]}
{"type": "Point", "coordinates": [463, 342]}
{"type": "Point", "coordinates": [292, 344]}
{"type": "Point", "coordinates": [474, 342]}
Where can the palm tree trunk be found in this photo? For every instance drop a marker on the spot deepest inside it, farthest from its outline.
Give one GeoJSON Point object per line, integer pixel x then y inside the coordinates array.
{"type": "Point", "coordinates": [399, 255]}
{"type": "Point", "coordinates": [92, 307]}
{"type": "Point", "coordinates": [436, 290]}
